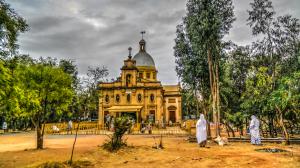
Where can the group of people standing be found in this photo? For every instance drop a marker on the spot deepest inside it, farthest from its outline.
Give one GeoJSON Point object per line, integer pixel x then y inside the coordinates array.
{"type": "Point", "coordinates": [201, 131]}
{"type": "Point", "coordinates": [109, 122]}
{"type": "Point", "coordinates": [146, 127]}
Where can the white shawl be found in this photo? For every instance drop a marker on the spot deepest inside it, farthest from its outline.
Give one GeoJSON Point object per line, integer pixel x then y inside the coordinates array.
{"type": "Point", "coordinates": [201, 129]}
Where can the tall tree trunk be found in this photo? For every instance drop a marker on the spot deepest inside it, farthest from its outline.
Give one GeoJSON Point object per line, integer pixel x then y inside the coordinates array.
{"type": "Point", "coordinates": [39, 136]}
{"type": "Point", "coordinates": [217, 98]}
{"type": "Point", "coordinates": [212, 90]}
{"type": "Point", "coordinates": [207, 119]}
{"type": "Point", "coordinates": [229, 128]}
{"type": "Point", "coordinates": [285, 133]}
{"type": "Point", "coordinates": [197, 102]}
{"type": "Point", "coordinates": [232, 131]}
{"type": "Point", "coordinates": [241, 131]}
{"type": "Point", "coordinates": [271, 125]}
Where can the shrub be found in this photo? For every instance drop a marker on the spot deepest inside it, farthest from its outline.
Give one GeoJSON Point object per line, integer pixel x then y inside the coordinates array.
{"type": "Point", "coordinates": [115, 142]}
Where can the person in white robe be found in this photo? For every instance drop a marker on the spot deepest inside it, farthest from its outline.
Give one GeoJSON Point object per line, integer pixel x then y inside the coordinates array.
{"type": "Point", "coordinates": [4, 126]}
{"type": "Point", "coordinates": [254, 131]}
{"type": "Point", "coordinates": [112, 124]}
{"type": "Point", "coordinates": [201, 131]}
{"type": "Point", "coordinates": [70, 126]}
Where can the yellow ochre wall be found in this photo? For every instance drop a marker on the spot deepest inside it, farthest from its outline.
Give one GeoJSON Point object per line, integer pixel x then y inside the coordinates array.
{"type": "Point", "coordinates": [146, 87]}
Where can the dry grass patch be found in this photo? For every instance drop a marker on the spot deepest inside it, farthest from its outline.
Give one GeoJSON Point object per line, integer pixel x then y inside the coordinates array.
{"type": "Point", "coordinates": [75, 164]}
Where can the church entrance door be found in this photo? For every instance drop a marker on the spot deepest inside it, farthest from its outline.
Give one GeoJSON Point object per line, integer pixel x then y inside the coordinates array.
{"type": "Point", "coordinates": [152, 116]}
{"type": "Point", "coordinates": [172, 113]}
{"type": "Point", "coordinates": [172, 116]}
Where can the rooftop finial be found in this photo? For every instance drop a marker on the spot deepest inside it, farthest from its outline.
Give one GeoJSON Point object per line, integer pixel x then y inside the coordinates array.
{"type": "Point", "coordinates": [143, 32]}
{"type": "Point", "coordinates": [129, 49]}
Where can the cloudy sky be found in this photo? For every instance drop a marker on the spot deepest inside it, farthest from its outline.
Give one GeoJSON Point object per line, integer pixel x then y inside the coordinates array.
{"type": "Point", "coordinates": [98, 32]}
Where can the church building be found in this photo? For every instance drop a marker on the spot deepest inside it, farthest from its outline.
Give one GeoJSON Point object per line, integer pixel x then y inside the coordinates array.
{"type": "Point", "coordinates": [139, 94]}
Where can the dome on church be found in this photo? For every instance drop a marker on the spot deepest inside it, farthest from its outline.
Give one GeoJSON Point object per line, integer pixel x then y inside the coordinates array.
{"type": "Point", "coordinates": [142, 58]}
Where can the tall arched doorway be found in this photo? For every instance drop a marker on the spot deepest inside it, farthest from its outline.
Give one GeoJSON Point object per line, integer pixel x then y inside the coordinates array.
{"type": "Point", "coordinates": [172, 113]}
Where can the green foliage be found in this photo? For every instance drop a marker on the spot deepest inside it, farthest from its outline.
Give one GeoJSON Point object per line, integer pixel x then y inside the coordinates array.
{"type": "Point", "coordinates": [51, 87]}
{"type": "Point", "coordinates": [11, 24]}
{"type": "Point", "coordinates": [115, 142]}
{"type": "Point", "coordinates": [237, 118]}
{"type": "Point", "coordinates": [286, 97]}
{"type": "Point", "coordinates": [207, 22]}
{"type": "Point", "coordinates": [189, 102]}
{"type": "Point", "coordinates": [279, 36]}
{"type": "Point", "coordinates": [34, 92]}
{"type": "Point", "coordinates": [202, 32]}
{"type": "Point", "coordinates": [12, 94]}
{"type": "Point", "coordinates": [4, 78]}
{"type": "Point", "coordinates": [259, 79]}
{"type": "Point", "coordinates": [258, 89]}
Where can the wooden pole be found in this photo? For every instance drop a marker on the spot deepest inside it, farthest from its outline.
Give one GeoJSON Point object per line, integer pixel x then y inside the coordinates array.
{"type": "Point", "coordinates": [71, 159]}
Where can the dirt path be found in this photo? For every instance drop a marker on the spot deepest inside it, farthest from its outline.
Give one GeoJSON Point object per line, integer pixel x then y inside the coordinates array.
{"type": "Point", "coordinates": [177, 153]}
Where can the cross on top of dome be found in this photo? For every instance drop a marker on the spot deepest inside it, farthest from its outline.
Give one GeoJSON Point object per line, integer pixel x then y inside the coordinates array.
{"type": "Point", "coordinates": [143, 32]}
{"type": "Point", "coordinates": [129, 50]}
{"type": "Point", "coordinates": [142, 57]}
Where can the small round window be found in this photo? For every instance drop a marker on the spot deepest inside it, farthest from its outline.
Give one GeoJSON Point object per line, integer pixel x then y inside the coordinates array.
{"type": "Point", "coordinates": [107, 99]}
{"type": "Point", "coordinates": [139, 97]}
{"type": "Point", "coordinates": [117, 98]}
{"type": "Point", "coordinates": [152, 97]}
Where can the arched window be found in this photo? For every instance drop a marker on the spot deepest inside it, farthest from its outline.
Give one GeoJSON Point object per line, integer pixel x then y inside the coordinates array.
{"type": "Point", "coordinates": [152, 97]}
{"type": "Point", "coordinates": [148, 75]}
{"type": "Point", "coordinates": [117, 98]}
{"type": "Point", "coordinates": [128, 79]}
{"type": "Point", "coordinates": [107, 99]}
{"type": "Point", "coordinates": [128, 97]}
{"type": "Point", "coordinates": [139, 97]}
{"type": "Point", "coordinates": [141, 75]}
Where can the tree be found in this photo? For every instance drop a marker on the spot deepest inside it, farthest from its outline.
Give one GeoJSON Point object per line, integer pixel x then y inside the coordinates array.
{"type": "Point", "coordinates": [234, 72]}
{"type": "Point", "coordinates": [279, 36]}
{"type": "Point", "coordinates": [255, 98]}
{"type": "Point", "coordinates": [69, 67]}
{"type": "Point", "coordinates": [192, 70]}
{"type": "Point", "coordinates": [277, 50]}
{"type": "Point", "coordinates": [286, 99]}
{"type": "Point", "coordinates": [189, 100]}
{"type": "Point", "coordinates": [4, 82]}
{"type": "Point", "coordinates": [205, 24]}
{"type": "Point", "coordinates": [94, 76]}
{"type": "Point", "coordinates": [13, 93]}
{"type": "Point", "coordinates": [49, 91]}
{"type": "Point", "coordinates": [11, 24]}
